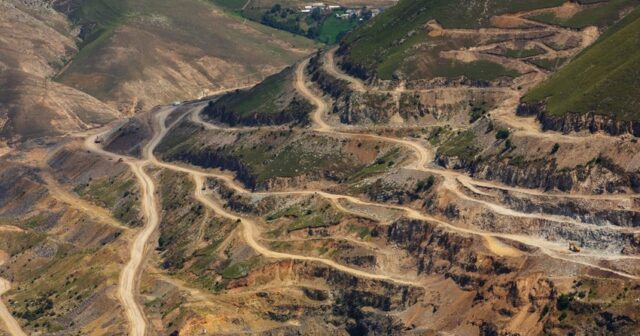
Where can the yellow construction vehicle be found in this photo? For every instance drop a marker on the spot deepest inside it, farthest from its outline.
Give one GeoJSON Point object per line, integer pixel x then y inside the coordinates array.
{"type": "Point", "coordinates": [573, 247]}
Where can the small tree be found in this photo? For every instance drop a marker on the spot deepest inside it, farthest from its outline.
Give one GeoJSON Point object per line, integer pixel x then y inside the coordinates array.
{"type": "Point", "coordinates": [563, 301]}
{"type": "Point", "coordinates": [502, 134]}
{"type": "Point", "coordinates": [316, 14]}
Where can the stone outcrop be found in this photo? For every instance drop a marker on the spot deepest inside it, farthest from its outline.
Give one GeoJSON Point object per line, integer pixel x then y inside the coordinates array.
{"type": "Point", "coordinates": [572, 208]}
{"type": "Point", "coordinates": [576, 122]}
{"type": "Point", "coordinates": [600, 176]}
{"type": "Point", "coordinates": [440, 252]}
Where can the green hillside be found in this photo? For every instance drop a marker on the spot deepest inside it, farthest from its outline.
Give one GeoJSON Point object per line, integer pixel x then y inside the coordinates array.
{"type": "Point", "coordinates": [604, 79]}
{"type": "Point", "coordinates": [273, 101]}
{"type": "Point", "coordinates": [396, 39]}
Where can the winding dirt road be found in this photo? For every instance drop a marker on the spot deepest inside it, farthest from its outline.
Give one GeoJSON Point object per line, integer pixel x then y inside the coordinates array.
{"type": "Point", "coordinates": [249, 227]}
{"type": "Point", "coordinates": [551, 249]}
{"type": "Point", "coordinates": [129, 279]}
{"type": "Point", "coordinates": [250, 231]}
{"type": "Point", "coordinates": [127, 289]}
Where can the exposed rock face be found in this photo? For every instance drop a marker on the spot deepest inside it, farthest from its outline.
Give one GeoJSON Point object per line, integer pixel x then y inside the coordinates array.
{"type": "Point", "coordinates": [598, 177]}
{"type": "Point", "coordinates": [366, 107]}
{"type": "Point", "coordinates": [423, 101]}
{"type": "Point", "coordinates": [576, 122]}
{"type": "Point", "coordinates": [441, 252]}
{"type": "Point", "coordinates": [352, 305]}
{"type": "Point", "coordinates": [129, 139]}
{"type": "Point", "coordinates": [333, 86]}
{"type": "Point", "coordinates": [20, 190]}
{"type": "Point", "coordinates": [295, 111]}
{"type": "Point", "coordinates": [352, 107]}
{"type": "Point", "coordinates": [353, 69]}
{"type": "Point", "coordinates": [572, 208]}
{"type": "Point", "coordinates": [217, 159]}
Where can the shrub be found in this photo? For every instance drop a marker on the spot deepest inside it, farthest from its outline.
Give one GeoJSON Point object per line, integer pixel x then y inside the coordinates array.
{"type": "Point", "coordinates": [502, 134]}
{"type": "Point", "coordinates": [563, 301]}
{"type": "Point", "coordinates": [425, 184]}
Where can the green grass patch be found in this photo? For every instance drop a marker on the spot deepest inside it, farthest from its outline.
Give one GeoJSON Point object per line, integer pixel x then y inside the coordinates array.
{"type": "Point", "coordinates": [34, 221]}
{"type": "Point", "coordinates": [381, 165]}
{"type": "Point", "coordinates": [523, 53]}
{"type": "Point", "coordinates": [259, 99]}
{"type": "Point", "coordinates": [230, 4]}
{"type": "Point", "coordinates": [289, 161]}
{"type": "Point", "coordinates": [550, 64]}
{"type": "Point", "coordinates": [476, 70]}
{"type": "Point", "coordinates": [604, 79]}
{"type": "Point", "coordinates": [333, 28]}
{"type": "Point", "coordinates": [115, 193]}
{"type": "Point", "coordinates": [273, 101]}
{"type": "Point", "coordinates": [239, 270]}
{"type": "Point", "coordinates": [461, 146]}
{"type": "Point", "coordinates": [361, 231]}
{"type": "Point", "coordinates": [313, 215]}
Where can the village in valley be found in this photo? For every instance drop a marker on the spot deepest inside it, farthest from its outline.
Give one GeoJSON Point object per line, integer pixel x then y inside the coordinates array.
{"type": "Point", "coordinates": [362, 13]}
{"type": "Point", "coordinates": [324, 22]}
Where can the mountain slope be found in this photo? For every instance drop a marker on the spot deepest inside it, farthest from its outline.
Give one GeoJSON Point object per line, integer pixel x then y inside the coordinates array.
{"type": "Point", "coordinates": [603, 80]}
{"type": "Point", "coordinates": [413, 39]}
{"type": "Point", "coordinates": [396, 39]}
{"type": "Point", "coordinates": [35, 42]}
{"type": "Point", "coordinates": [140, 53]}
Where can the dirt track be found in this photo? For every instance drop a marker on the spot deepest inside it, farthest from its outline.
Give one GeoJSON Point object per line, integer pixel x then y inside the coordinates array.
{"type": "Point", "coordinates": [129, 278]}
{"type": "Point", "coordinates": [553, 250]}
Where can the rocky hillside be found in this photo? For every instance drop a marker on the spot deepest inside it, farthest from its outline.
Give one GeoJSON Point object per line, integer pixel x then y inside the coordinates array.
{"type": "Point", "coordinates": [409, 181]}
